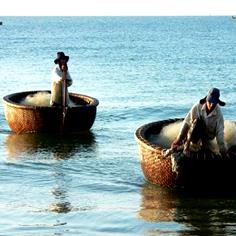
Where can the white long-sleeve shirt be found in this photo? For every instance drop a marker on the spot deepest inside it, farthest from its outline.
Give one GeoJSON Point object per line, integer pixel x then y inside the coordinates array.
{"type": "Point", "coordinates": [214, 123]}
{"type": "Point", "coordinates": [58, 85]}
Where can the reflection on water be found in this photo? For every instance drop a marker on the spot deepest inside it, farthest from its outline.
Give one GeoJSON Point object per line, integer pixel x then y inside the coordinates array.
{"type": "Point", "coordinates": [61, 207]}
{"type": "Point", "coordinates": [22, 147]}
{"type": "Point", "coordinates": [60, 193]}
{"type": "Point", "coordinates": [157, 204]}
{"type": "Point", "coordinates": [60, 146]}
{"type": "Point", "coordinates": [196, 213]}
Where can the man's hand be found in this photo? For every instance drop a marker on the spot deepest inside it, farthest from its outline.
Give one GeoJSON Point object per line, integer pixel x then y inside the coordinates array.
{"type": "Point", "coordinates": [64, 67]}
{"type": "Point", "coordinates": [186, 152]}
{"type": "Point", "coordinates": [175, 144]}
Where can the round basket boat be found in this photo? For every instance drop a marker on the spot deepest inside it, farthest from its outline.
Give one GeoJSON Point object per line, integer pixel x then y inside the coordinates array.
{"type": "Point", "coordinates": [201, 169]}
{"type": "Point", "coordinates": [25, 118]}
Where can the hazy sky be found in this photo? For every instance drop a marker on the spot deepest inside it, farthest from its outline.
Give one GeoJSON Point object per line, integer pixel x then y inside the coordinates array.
{"type": "Point", "coordinates": [116, 7]}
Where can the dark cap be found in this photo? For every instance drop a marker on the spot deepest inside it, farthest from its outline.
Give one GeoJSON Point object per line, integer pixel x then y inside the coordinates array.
{"type": "Point", "coordinates": [214, 97]}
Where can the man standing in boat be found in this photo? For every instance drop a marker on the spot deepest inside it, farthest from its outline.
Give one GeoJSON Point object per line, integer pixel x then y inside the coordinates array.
{"type": "Point", "coordinates": [204, 120]}
{"type": "Point", "coordinates": [60, 74]}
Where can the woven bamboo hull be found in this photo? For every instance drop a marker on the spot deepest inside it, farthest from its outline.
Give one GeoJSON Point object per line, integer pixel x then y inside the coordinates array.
{"type": "Point", "coordinates": [201, 170]}
{"type": "Point", "coordinates": [28, 119]}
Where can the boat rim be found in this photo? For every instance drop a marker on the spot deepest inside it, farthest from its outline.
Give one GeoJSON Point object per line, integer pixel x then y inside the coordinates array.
{"type": "Point", "coordinates": [9, 102]}
{"type": "Point", "coordinates": [140, 134]}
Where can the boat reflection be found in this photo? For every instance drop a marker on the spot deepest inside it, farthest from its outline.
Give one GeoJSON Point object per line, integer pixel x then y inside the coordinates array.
{"type": "Point", "coordinates": [49, 147]}
{"type": "Point", "coordinates": [20, 146]}
{"type": "Point", "coordinates": [195, 213]}
{"type": "Point", "coordinates": [158, 204]}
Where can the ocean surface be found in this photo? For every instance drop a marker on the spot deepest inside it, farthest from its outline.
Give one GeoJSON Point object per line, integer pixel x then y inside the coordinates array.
{"type": "Point", "coordinates": [141, 69]}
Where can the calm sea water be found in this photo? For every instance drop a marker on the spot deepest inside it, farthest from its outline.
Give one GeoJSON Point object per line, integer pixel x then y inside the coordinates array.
{"type": "Point", "coordinates": [141, 69]}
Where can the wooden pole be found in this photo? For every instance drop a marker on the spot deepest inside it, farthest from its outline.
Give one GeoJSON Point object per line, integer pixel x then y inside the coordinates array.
{"type": "Point", "coordinates": [64, 100]}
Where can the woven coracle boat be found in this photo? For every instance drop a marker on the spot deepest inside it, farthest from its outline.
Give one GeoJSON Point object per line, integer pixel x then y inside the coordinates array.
{"type": "Point", "coordinates": [201, 170]}
{"type": "Point", "coordinates": [25, 118]}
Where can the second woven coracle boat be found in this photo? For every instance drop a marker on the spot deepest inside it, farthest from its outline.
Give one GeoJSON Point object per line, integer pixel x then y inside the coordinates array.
{"type": "Point", "coordinates": [201, 170]}
{"type": "Point", "coordinates": [24, 118]}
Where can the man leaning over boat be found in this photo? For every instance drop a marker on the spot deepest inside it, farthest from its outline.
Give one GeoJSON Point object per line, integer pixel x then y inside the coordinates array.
{"type": "Point", "coordinates": [203, 122]}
